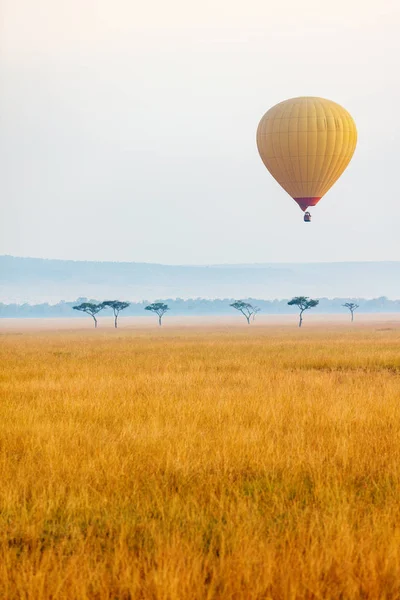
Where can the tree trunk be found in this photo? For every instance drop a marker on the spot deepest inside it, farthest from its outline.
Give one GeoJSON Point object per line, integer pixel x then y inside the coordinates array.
{"type": "Point", "coordinates": [95, 322]}
{"type": "Point", "coordinates": [300, 319]}
{"type": "Point", "coordinates": [248, 320]}
{"type": "Point", "coordinates": [159, 321]}
{"type": "Point", "coordinates": [115, 322]}
{"type": "Point", "coordinates": [352, 316]}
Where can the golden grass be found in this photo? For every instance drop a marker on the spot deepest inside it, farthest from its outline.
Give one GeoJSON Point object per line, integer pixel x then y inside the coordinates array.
{"type": "Point", "coordinates": [247, 464]}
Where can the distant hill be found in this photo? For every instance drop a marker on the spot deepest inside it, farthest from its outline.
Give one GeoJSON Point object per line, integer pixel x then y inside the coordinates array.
{"type": "Point", "coordinates": [37, 280]}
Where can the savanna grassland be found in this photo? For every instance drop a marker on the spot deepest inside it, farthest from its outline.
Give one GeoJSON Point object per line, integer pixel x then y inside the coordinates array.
{"type": "Point", "coordinates": [246, 463]}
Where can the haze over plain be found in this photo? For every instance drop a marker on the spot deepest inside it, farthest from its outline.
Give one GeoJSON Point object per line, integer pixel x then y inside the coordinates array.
{"type": "Point", "coordinates": [128, 129]}
{"type": "Point", "coordinates": [37, 280]}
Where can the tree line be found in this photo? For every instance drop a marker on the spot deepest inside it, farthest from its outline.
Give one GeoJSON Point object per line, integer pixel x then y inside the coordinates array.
{"type": "Point", "coordinates": [248, 310]}
{"type": "Point", "coordinates": [92, 309]}
{"type": "Point", "coordinates": [201, 307]}
{"type": "Point", "coordinates": [303, 303]}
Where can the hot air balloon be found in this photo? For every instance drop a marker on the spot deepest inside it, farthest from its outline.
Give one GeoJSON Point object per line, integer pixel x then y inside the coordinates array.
{"type": "Point", "coordinates": [306, 143]}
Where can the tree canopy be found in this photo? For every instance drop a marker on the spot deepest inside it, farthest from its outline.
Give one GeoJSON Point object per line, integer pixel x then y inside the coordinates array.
{"type": "Point", "coordinates": [245, 308]}
{"type": "Point", "coordinates": [90, 309]}
{"type": "Point", "coordinates": [159, 308]}
{"type": "Point", "coordinates": [352, 306]}
{"type": "Point", "coordinates": [303, 303]}
{"type": "Point", "coordinates": [116, 306]}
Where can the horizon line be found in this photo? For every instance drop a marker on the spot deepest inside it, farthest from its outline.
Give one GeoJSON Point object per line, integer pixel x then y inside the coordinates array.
{"type": "Point", "coordinates": [201, 265]}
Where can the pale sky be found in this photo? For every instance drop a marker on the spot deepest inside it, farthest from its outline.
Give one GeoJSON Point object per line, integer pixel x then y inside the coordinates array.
{"type": "Point", "coordinates": [128, 128]}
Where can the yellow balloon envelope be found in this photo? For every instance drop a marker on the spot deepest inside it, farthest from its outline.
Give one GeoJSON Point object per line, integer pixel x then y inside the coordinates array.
{"type": "Point", "coordinates": [306, 143]}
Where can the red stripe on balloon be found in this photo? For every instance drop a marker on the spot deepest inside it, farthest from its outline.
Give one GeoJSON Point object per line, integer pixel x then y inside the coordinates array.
{"type": "Point", "coordinates": [304, 203]}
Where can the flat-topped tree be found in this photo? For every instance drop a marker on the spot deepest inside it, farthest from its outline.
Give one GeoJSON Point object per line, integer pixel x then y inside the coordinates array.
{"type": "Point", "coordinates": [304, 303]}
{"type": "Point", "coordinates": [90, 309]}
{"type": "Point", "coordinates": [116, 306]}
{"type": "Point", "coordinates": [352, 306]}
{"type": "Point", "coordinates": [159, 308]}
{"type": "Point", "coordinates": [245, 308]}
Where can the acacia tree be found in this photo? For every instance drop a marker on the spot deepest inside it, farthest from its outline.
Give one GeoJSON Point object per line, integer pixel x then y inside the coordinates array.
{"type": "Point", "coordinates": [90, 309]}
{"type": "Point", "coordinates": [159, 308]}
{"type": "Point", "coordinates": [304, 303]}
{"type": "Point", "coordinates": [352, 306]}
{"type": "Point", "coordinates": [116, 306]}
{"type": "Point", "coordinates": [245, 308]}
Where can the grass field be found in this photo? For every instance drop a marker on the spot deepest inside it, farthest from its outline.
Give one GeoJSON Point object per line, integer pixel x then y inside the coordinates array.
{"type": "Point", "coordinates": [175, 464]}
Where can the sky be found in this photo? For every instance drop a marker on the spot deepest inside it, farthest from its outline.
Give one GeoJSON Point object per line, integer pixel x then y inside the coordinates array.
{"type": "Point", "coordinates": [127, 129]}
